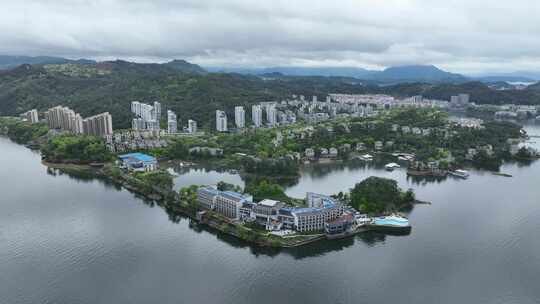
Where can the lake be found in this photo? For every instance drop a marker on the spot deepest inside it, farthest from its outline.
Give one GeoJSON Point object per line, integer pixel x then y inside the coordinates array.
{"type": "Point", "coordinates": [68, 239]}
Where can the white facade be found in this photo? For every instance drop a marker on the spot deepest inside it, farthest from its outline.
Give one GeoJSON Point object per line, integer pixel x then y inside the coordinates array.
{"type": "Point", "coordinates": [147, 116]}
{"type": "Point", "coordinates": [271, 115]}
{"type": "Point", "coordinates": [221, 121]}
{"type": "Point", "coordinates": [172, 123]}
{"type": "Point", "coordinates": [31, 116]}
{"type": "Point", "coordinates": [192, 126]}
{"type": "Point", "coordinates": [239, 117]}
{"type": "Point", "coordinates": [156, 114]}
{"type": "Point", "coordinates": [65, 119]}
{"type": "Point", "coordinates": [256, 115]}
{"type": "Point", "coordinates": [98, 125]}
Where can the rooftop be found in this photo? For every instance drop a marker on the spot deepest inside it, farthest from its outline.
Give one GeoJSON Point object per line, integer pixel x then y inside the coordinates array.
{"type": "Point", "coordinates": [137, 156]}
{"type": "Point", "coordinates": [269, 202]}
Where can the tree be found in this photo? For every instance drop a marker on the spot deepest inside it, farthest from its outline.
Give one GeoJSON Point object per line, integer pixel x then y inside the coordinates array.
{"type": "Point", "coordinates": [223, 186]}
{"type": "Point", "coordinates": [377, 195]}
{"type": "Point", "coordinates": [266, 190]}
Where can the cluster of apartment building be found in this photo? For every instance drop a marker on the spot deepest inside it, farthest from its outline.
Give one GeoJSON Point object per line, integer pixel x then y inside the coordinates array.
{"type": "Point", "coordinates": [516, 111]}
{"type": "Point", "coordinates": [271, 214]}
{"type": "Point", "coordinates": [66, 119]}
{"type": "Point", "coordinates": [132, 140]}
{"type": "Point", "coordinates": [459, 101]}
{"type": "Point", "coordinates": [271, 114]}
{"type": "Point", "coordinates": [381, 101]}
{"type": "Point", "coordinates": [147, 117]}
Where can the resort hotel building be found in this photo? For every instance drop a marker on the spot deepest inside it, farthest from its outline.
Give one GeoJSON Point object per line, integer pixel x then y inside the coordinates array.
{"type": "Point", "coordinates": [272, 214]}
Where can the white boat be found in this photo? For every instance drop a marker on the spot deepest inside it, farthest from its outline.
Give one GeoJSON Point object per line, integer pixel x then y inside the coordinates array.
{"type": "Point", "coordinates": [460, 173]}
{"type": "Point", "coordinates": [391, 166]}
{"type": "Point", "coordinates": [366, 157]}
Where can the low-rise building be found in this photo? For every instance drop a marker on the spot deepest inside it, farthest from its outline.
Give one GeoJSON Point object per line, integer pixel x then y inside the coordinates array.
{"type": "Point", "coordinates": [138, 162]}
{"type": "Point", "coordinates": [310, 153]}
{"type": "Point", "coordinates": [333, 152]}
{"type": "Point", "coordinates": [339, 225]}
{"type": "Point", "coordinates": [265, 213]}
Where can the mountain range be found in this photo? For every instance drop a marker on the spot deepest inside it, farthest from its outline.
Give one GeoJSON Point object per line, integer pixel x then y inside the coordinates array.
{"type": "Point", "coordinates": [409, 73]}
{"type": "Point", "coordinates": [390, 75]}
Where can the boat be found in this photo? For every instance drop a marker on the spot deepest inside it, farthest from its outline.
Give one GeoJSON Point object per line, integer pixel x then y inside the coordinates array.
{"type": "Point", "coordinates": [366, 157]}
{"type": "Point", "coordinates": [391, 166]}
{"type": "Point", "coordinates": [427, 172]}
{"type": "Point", "coordinates": [459, 173]}
{"type": "Point", "coordinates": [502, 174]}
{"type": "Point", "coordinates": [391, 223]}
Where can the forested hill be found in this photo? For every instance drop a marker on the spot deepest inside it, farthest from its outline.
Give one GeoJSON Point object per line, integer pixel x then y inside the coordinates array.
{"type": "Point", "coordinates": [192, 92]}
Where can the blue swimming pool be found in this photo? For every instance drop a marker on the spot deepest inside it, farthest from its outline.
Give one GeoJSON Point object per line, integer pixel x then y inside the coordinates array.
{"type": "Point", "coordinates": [392, 221]}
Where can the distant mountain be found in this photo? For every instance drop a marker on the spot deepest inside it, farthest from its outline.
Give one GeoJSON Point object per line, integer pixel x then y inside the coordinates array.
{"type": "Point", "coordinates": [184, 66]}
{"type": "Point", "coordinates": [299, 71]}
{"type": "Point", "coordinates": [9, 62]}
{"type": "Point", "coordinates": [412, 73]}
{"type": "Point", "coordinates": [423, 73]}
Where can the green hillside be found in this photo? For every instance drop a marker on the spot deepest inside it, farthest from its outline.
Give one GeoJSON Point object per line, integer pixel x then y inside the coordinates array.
{"type": "Point", "coordinates": [193, 93]}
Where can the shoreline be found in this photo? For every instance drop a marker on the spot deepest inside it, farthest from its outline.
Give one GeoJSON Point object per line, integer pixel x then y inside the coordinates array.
{"type": "Point", "coordinates": [171, 201]}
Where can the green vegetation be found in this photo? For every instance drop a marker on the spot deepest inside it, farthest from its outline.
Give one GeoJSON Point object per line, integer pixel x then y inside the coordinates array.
{"type": "Point", "coordinates": [270, 167]}
{"type": "Point", "coordinates": [223, 186]}
{"type": "Point", "coordinates": [21, 131]}
{"type": "Point", "coordinates": [160, 179]}
{"type": "Point", "coordinates": [75, 149]}
{"type": "Point", "coordinates": [376, 195]}
{"type": "Point", "coordinates": [258, 152]}
{"type": "Point", "coordinates": [266, 190]}
{"type": "Point", "coordinates": [186, 89]}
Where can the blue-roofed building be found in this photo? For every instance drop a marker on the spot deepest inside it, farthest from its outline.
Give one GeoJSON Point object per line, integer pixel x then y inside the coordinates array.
{"type": "Point", "coordinates": [206, 196]}
{"type": "Point", "coordinates": [269, 213]}
{"type": "Point", "coordinates": [286, 217]}
{"type": "Point", "coordinates": [139, 162]}
{"type": "Point", "coordinates": [321, 210]}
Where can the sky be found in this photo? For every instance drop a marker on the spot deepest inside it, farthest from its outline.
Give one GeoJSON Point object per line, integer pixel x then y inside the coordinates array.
{"type": "Point", "coordinates": [464, 36]}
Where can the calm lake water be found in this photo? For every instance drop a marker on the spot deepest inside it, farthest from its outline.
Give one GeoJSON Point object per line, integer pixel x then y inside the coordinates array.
{"type": "Point", "coordinates": [66, 239]}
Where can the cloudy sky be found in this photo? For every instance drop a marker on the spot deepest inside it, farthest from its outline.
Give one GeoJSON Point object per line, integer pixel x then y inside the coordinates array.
{"type": "Point", "coordinates": [467, 36]}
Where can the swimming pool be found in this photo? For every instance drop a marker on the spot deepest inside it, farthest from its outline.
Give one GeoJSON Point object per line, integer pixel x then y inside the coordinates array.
{"type": "Point", "coordinates": [391, 221]}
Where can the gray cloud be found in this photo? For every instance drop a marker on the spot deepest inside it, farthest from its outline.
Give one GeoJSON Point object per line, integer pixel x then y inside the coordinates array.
{"type": "Point", "coordinates": [459, 35]}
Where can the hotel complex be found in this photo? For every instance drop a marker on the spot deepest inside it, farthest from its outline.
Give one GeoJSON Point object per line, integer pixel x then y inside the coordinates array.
{"type": "Point", "coordinates": [271, 214]}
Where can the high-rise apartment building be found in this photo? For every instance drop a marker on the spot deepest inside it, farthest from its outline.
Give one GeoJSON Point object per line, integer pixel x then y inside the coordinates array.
{"type": "Point", "coordinates": [271, 115]}
{"type": "Point", "coordinates": [256, 115]}
{"type": "Point", "coordinates": [172, 123]}
{"type": "Point", "coordinates": [98, 125]}
{"type": "Point", "coordinates": [221, 121]}
{"type": "Point", "coordinates": [192, 126]}
{"type": "Point", "coordinates": [66, 119]}
{"type": "Point", "coordinates": [31, 116]}
{"type": "Point", "coordinates": [147, 116]}
{"type": "Point", "coordinates": [156, 111]}
{"type": "Point", "coordinates": [239, 117]}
